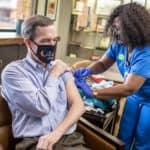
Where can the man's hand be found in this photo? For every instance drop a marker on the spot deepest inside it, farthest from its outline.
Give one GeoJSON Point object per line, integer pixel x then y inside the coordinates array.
{"type": "Point", "coordinates": [59, 68]}
{"type": "Point", "coordinates": [46, 142]}
{"type": "Point", "coordinates": [82, 72]}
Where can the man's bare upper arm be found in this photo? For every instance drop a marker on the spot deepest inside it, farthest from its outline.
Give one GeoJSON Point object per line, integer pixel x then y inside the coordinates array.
{"type": "Point", "coordinates": [72, 91]}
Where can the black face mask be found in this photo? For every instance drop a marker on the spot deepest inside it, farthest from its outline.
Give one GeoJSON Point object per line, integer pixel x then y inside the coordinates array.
{"type": "Point", "coordinates": [115, 34]}
{"type": "Point", "coordinates": [45, 53]}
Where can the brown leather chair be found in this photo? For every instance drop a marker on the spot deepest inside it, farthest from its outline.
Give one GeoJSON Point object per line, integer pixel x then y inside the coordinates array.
{"type": "Point", "coordinates": [6, 138]}
{"type": "Point", "coordinates": [98, 139]}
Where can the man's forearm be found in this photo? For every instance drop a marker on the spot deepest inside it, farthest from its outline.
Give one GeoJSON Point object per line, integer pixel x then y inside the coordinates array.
{"type": "Point", "coordinates": [72, 117]}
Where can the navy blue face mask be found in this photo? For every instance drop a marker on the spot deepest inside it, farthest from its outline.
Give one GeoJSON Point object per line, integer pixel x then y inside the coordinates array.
{"type": "Point", "coordinates": [45, 53]}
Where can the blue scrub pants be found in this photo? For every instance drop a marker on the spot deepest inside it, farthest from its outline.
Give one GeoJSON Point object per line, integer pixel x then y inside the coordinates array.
{"type": "Point", "coordinates": [135, 124]}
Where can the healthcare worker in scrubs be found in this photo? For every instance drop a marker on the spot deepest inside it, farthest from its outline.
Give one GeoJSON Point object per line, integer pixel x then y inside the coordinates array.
{"type": "Point", "coordinates": [129, 25]}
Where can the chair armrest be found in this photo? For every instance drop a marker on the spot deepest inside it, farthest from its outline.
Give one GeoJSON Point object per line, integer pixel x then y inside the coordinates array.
{"type": "Point", "coordinates": [104, 140]}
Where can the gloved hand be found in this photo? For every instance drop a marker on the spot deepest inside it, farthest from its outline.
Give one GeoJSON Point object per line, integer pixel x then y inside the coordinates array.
{"type": "Point", "coordinates": [82, 85]}
{"type": "Point", "coordinates": [82, 72]}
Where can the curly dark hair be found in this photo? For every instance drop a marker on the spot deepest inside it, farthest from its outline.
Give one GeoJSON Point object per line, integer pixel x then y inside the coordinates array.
{"type": "Point", "coordinates": [135, 23]}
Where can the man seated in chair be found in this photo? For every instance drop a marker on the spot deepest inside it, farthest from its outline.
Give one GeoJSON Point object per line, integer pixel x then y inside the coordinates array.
{"type": "Point", "coordinates": [41, 93]}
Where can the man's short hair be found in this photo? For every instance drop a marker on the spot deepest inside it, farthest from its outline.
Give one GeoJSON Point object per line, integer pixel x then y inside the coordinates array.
{"type": "Point", "coordinates": [29, 25]}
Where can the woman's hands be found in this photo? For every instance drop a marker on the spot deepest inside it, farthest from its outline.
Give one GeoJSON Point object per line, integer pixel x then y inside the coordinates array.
{"type": "Point", "coordinates": [82, 72]}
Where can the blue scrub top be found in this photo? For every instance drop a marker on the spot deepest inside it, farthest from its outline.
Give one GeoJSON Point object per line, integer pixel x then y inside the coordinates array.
{"type": "Point", "coordinates": [138, 64]}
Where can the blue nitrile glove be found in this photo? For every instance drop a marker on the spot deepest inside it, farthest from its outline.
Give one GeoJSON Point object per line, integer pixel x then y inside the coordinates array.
{"type": "Point", "coordinates": [82, 72]}
{"type": "Point", "coordinates": [82, 85]}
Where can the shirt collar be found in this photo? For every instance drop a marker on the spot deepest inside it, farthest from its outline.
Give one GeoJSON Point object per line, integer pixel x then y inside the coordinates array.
{"type": "Point", "coordinates": [34, 64]}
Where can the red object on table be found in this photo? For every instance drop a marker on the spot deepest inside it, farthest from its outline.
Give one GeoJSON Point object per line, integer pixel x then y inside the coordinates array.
{"type": "Point", "coordinates": [97, 79]}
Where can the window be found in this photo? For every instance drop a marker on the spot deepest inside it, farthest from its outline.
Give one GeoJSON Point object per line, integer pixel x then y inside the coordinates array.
{"type": "Point", "coordinates": [10, 10]}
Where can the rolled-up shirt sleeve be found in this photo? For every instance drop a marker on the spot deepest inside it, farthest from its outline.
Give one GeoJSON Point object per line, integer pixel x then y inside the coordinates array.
{"type": "Point", "coordinates": [66, 76]}
{"type": "Point", "coordinates": [24, 94]}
